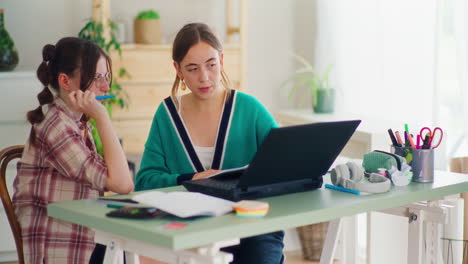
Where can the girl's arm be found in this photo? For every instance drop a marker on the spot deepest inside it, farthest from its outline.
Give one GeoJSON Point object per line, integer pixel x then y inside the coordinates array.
{"type": "Point", "coordinates": [118, 176]}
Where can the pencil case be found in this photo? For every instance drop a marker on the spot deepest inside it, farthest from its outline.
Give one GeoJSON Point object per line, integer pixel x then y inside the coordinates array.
{"type": "Point", "coordinates": [380, 159]}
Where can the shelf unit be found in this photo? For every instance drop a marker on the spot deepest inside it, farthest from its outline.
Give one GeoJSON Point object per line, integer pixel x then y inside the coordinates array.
{"type": "Point", "coordinates": [152, 74]}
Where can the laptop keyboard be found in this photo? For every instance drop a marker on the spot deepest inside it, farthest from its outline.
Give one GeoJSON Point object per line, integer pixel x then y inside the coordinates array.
{"type": "Point", "coordinates": [224, 184]}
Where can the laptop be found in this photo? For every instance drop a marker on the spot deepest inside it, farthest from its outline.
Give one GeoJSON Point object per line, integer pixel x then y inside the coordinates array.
{"type": "Point", "coordinates": [290, 159]}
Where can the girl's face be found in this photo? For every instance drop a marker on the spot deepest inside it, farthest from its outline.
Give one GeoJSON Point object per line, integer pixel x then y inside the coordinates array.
{"type": "Point", "coordinates": [201, 70]}
{"type": "Point", "coordinates": [100, 84]}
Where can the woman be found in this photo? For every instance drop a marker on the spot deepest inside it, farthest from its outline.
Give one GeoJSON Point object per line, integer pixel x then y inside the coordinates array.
{"type": "Point", "coordinates": [208, 129]}
{"type": "Point", "coordinates": [60, 161]}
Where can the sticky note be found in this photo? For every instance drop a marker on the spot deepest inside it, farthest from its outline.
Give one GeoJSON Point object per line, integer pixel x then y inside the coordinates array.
{"type": "Point", "coordinates": [175, 225]}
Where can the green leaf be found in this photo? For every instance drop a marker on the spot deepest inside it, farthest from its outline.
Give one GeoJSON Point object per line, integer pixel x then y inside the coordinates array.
{"type": "Point", "coordinates": [97, 138]}
{"type": "Point", "coordinates": [148, 14]}
{"type": "Point", "coordinates": [94, 31]}
{"type": "Point", "coordinates": [308, 78]}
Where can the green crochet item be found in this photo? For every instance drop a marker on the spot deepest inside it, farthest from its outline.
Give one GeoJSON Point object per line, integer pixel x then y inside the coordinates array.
{"type": "Point", "coordinates": [379, 159]}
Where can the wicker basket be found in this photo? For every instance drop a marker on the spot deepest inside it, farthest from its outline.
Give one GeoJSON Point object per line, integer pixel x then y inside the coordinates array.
{"type": "Point", "coordinates": [312, 238]}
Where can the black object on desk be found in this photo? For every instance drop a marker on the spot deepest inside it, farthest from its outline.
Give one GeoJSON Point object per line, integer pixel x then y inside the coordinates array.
{"type": "Point", "coordinates": [135, 212]}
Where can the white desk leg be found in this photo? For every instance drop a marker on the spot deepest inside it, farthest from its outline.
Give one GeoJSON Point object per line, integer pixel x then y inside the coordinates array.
{"type": "Point", "coordinates": [114, 253]}
{"type": "Point", "coordinates": [330, 241]}
{"type": "Point", "coordinates": [350, 240]}
{"type": "Point", "coordinates": [415, 231]}
{"type": "Point", "coordinates": [208, 254]}
{"type": "Point", "coordinates": [131, 258]}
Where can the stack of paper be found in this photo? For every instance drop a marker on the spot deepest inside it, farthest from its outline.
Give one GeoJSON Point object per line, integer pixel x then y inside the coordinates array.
{"type": "Point", "coordinates": [185, 204]}
{"type": "Point", "coordinates": [251, 209]}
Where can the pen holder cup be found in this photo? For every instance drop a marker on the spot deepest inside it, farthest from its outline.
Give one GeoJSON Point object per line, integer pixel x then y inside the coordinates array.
{"type": "Point", "coordinates": [420, 160]}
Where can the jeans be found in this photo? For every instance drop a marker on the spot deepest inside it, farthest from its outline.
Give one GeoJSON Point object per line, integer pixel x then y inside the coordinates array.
{"type": "Point", "coordinates": [261, 249]}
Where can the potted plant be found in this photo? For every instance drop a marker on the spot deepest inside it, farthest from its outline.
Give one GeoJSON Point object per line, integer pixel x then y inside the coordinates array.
{"type": "Point", "coordinates": [94, 31]}
{"type": "Point", "coordinates": [146, 27]}
{"type": "Point", "coordinates": [323, 96]}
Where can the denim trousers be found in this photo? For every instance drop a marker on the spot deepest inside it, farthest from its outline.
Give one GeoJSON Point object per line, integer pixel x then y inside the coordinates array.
{"type": "Point", "coordinates": [261, 249]}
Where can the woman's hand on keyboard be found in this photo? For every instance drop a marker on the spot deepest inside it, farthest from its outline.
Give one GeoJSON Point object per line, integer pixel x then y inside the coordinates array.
{"type": "Point", "coordinates": [204, 174]}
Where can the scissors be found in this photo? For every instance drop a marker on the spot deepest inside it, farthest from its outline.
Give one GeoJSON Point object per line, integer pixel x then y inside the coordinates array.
{"type": "Point", "coordinates": [432, 134]}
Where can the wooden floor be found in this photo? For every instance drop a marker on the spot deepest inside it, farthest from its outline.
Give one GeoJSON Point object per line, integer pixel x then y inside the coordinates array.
{"type": "Point", "coordinates": [292, 257]}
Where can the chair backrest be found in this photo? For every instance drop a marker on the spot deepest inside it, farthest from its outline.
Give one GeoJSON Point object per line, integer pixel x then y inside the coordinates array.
{"type": "Point", "coordinates": [6, 155]}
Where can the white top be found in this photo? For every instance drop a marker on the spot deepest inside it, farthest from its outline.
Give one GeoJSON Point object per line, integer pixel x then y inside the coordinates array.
{"type": "Point", "coordinates": [205, 154]}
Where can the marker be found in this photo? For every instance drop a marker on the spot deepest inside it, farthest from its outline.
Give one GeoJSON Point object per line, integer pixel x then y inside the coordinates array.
{"type": "Point", "coordinates": [426, 141]}
{"type": "Point", "coordinates": [410, 139]}
{"type": "Point", "coordinates": [392, 138]}
{"type": "Point", "coordinates": [110, 96]}
{"type": "Point", "coordinates": [342, 189]}
{"type": "Point", "coordinates": [407, 129]}
{"type": "Point", "coordinates": [398, 137]}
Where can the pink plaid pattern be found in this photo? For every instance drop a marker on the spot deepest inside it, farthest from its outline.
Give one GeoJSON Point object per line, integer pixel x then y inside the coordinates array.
{"type": "Point", "coordinates": [61, 167]}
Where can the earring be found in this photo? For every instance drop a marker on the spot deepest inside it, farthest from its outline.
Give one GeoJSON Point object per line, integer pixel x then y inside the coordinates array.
{"type": "Point", "coordinates": [183, 86]}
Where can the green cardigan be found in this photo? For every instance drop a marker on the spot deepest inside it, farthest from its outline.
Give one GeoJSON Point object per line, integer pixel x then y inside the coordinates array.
{"type": "Point", "coordinates": [169, 157]}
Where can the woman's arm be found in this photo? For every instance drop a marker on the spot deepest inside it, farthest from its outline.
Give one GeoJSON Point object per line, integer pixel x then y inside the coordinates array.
{"type": "Point", "coordinates": [154, 171]}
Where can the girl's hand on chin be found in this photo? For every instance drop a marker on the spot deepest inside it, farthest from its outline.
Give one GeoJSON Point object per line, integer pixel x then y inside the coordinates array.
{"type": "Point", "coordinates": [86, 103]}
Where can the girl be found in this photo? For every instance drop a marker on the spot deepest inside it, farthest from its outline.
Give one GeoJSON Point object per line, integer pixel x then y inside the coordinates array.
{"type": "Point", "coordinates": [208, 129]}
{"type": "Point", "coordinates": [60, 161]}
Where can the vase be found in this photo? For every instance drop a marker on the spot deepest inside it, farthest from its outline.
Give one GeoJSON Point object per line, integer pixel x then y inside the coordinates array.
{"type": "Point", "coordinates": [324, 101]}
{"type": "Point", "coordinates": [8, 53]}
{"type": "Point", "coordinates": [147, 31]}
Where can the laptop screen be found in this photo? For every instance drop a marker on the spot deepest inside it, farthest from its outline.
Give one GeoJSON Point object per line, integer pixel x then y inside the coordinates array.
{"type": "Point", "coordinates": [298, 152]}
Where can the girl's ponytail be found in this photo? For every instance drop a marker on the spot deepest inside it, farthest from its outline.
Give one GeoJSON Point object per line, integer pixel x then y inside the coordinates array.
{"type": "Point", "coordinates": [44, 75]}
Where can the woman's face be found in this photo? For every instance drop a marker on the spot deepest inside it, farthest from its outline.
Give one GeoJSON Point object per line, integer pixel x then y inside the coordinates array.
{"type": "Point", "coordinates": [100, 84]}
{"type": "Point", "coordinates": [201, 70]}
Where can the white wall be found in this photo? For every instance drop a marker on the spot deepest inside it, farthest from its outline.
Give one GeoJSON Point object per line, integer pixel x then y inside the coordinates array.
{"type": "Point", "coordinates": [270, 42]}
{"type": "Point", "coordinates": [275, 30]}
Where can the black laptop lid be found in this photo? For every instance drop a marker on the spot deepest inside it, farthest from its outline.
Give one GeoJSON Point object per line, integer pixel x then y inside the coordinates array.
{"type": "Point", "coordinates": [298, 152]}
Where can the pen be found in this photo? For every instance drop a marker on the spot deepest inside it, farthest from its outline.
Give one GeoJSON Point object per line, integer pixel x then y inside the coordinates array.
{"type": "Point", "coordinates": [418, 141]}
{"type": "Point", "coordinates": [110, 96]}
{"type": "Point", "coordinates": [406, 140]}
{"type": "Point", "coordinates": [342, 189]}
{"type": "Point", "coordinates": [392, 138]}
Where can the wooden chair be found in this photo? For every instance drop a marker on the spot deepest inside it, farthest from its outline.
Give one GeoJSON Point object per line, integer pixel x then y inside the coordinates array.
{"type": "Point", "coordinates": [6, 155]}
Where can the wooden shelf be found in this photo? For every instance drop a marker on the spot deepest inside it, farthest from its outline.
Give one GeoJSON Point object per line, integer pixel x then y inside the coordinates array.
{"type": "Point", "coordinates": [135, 46]}
{"type": "Point", "coordinates": [152, 75]}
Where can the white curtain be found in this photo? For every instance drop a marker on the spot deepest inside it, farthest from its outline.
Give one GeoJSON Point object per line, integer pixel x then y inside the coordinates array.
{"type": "Point", "coordinates": [453, 75]}
{"type": "Point", "coordinates": [384, 54]}
{"type": "Point", "coordinates": [385, 57]}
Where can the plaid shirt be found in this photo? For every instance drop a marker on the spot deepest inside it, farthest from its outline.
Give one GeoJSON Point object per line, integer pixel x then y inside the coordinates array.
{"type": "Point", "coordinates": [62, 166]}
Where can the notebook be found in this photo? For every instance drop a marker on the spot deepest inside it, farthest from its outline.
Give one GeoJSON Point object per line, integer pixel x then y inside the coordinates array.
{"type": "Point", "coordinates": [187, 205]}
{"type": "Point", "coordinates": [290, 159]}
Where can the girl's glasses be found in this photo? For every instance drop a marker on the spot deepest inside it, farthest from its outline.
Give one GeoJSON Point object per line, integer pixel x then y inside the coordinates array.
{"type": "Point", "coordinates": [102, 78]}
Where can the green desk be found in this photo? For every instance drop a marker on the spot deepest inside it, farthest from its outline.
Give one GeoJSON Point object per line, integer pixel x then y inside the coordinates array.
{"type": "Point", "coordinates": [286, 211]}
